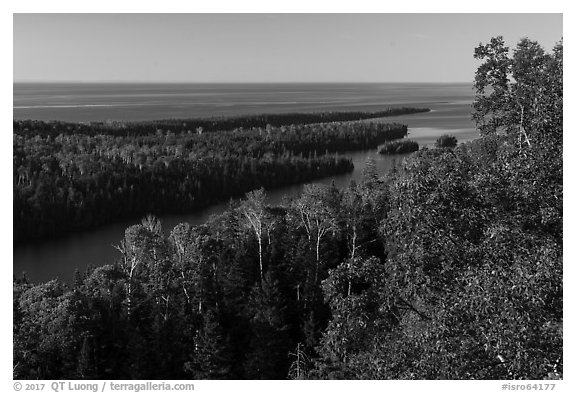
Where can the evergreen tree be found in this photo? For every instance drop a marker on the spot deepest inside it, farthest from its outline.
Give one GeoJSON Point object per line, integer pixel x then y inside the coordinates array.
{"type": "Point", "coordinates": [212, 358]}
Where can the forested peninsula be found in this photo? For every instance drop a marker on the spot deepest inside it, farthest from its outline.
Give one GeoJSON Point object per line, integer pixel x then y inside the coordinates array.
{"type": "Point", "coordinates": [78, 180]}
{"type": "Point", "coordinates": [117, 128]}
{"type": "Point", "coordinates": [448, 267]}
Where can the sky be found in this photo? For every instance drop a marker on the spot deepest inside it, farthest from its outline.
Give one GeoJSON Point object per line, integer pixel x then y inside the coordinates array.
{"type": "Point", "coordinates": [263, 47]}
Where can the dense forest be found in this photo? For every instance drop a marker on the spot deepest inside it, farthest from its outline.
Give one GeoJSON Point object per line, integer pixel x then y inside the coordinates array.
{"type": "Point", "coordinates": [399, 147]}
{"type": "Point", "coordinates": [75, 181]}
{"type": "Point", "coordinates": [55, 128]}
{"type": "Point", "coordinates": [448, 267]}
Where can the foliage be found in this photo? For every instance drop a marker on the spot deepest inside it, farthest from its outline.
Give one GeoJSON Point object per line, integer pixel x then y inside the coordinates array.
{"type": "Point", "coordinates": [522, 94]}
{"type": "Point", "coordinates": [446, 141]}
{"type": "Point", "coordinates": [399, 147]}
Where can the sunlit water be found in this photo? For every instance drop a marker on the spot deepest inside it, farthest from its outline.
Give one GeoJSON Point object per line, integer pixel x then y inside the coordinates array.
{"type": "Point", "coordinates": [450, 106]}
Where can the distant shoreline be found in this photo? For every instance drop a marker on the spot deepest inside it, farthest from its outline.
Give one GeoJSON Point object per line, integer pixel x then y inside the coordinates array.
{"type": "Point", "coordinates": [204, 124]}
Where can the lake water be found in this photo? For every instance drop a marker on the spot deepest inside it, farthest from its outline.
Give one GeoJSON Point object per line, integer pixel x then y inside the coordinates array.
{"type": "Point", "coordinates": [86, 102]}
{"type": "Point", "coordinates": [450, 104]}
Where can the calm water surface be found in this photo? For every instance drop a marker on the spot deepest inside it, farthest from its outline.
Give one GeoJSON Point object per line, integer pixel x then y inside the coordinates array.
{"type": "Point", "coordinates": [450, 106]}
{"type": "Point", "coordinates": [101, 102]}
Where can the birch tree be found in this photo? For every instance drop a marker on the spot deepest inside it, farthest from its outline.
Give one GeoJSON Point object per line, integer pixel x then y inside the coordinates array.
{"type": "Point", "coordinates": [316, 210]}
{"type": "Point", "coordinates": [253, 210]}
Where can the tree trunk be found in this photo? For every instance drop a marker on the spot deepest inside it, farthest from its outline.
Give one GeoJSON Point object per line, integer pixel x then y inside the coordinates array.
{"type": "Point", "coordinates": [129, 299]}
{"type": "Point", "coordinates": [351, 261]}
{"type": "Point", "coordinates": [317, 259]}
{"type": "Point", "coordinates": [260, 256]}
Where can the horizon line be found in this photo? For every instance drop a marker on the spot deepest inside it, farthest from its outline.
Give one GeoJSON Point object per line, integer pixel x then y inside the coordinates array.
{"type": "Point", "coordinates": [227, 82]}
